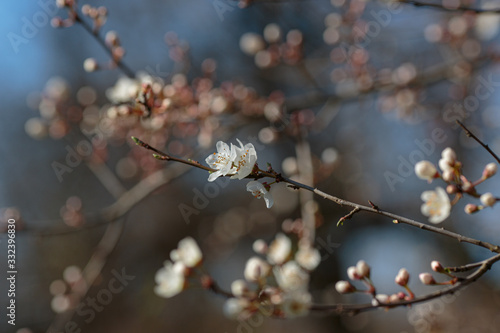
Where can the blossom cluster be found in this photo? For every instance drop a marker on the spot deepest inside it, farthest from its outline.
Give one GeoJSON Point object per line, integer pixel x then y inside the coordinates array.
{"type": "Point", "coordinates": [361, 272]}
{"type": "Point", "coordinates": [437, 203]}
{"type": "Point", "coordinates": [238, 162]}
{"type": "Point", "coordinates": [281, 281]}
{"type": "Point", "coordinates": [172, 277]}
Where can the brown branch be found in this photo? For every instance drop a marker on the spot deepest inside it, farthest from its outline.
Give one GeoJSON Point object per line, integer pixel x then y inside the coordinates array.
{"type": "Point", "coordinates": [450, 9]}
{"type": "Point", "coordinates": [471, 135]}
{"type": "Point", "coordinates": [353, 309]}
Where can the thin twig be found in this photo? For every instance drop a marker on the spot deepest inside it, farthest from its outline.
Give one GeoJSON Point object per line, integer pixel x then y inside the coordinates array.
{"type": "Point", "coordinates": [471, 135]}
{"type": "Point", "coordinates": [450, 9]}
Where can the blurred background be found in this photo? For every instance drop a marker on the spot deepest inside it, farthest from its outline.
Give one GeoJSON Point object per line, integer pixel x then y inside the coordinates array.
{"type": "Point", "coordinates": [358, 86]}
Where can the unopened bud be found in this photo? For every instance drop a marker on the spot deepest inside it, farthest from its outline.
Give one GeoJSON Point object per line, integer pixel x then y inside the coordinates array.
{"type": "Point", "coordinates": [425, 170]}
{"type": "Point", "coordinates": [380, 298]}
{"type": "Point", "coordinates": [353, 274]}
{"type": "Point", "coordinates": [488, 199]}
{"type": "Point", "coordinates": [489, 170]}
{"type": "Point", "coordinates": [426, 278]}
{"type": "Point", "coordinates": [362, 269]}
{"type": "Point", "coordinates": [449, 155]}
{"type": "Point", "coordinates": [448, 175]}
{"type": "Point", "coordinates": [402, 277]}
{"type": "Point", "coordinates": [471, 208]}
{"type": "Point", "coordinates": [90, 65]}
{"type": "Point", "coordinates": [452, 189]}
{"type": "Point", "coordinates": [437, 267]}
{"type": "Point", "coordinates": [344, 287]}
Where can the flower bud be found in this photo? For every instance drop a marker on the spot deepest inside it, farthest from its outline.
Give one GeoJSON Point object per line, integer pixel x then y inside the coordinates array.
{"type": "Point", "coordinates": [448, 175]}
{"type": "Point", "coordinates": [259, 246]}
{"type": "Point", "coordinates": [344, 287]}
{"type": "Point", "coordinates": [426, 278]}
{"type": "Point", "coordinates": [90, 65]}
{"type": "Point", "coordinates": [425, 170]}
{"type": "Point", "coordinates": [402, 277]}
{"type": "Point", "coordinates": [444, 165]}
{"type": "Point", "coordinates": [239, 288]}
{"type": "Point", "coordinates": [353, 274]}
{"type": "Point", "coordinates": [489, 170]}
{"type": "Point", "coordinates": [380, 298]}
{"type": "Point", "coordinates": [451, 189]}
{"type": "Point", "coordinates": [488, 199]}
{"type": "Point", "coordinates": [471, 208]}
{"type": "Point", "coordinates": [437, 267]}
{"type": "Point", "coordinates": [362, 269]}
{"type": "Point", "coordinates": [449, 155]}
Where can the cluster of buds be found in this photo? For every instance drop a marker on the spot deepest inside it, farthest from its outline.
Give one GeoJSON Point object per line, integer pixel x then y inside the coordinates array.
{"type": "Point", "coordinates": [437, 203]}
{"type": "Point", "coordinates": [361, 272]}
{"type": "Point", "coordinates": [116, 49]}
{"type": "Point", "coordinates": [288, 296]}
{"type": "Point", "coordinates": [172, 277]}
{"type": "Point", "coordinates": [428, 279]}
{"type": "Point", "coordinates": [270, 50]}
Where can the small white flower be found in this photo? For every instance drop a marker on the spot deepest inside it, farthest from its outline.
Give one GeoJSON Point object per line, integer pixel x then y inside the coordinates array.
{"type": "Point", "coordinates": [279, 249]}
{"type": "Point", "coordinates": [187, 252]}
{"type": "Point", "coordinates": [124, 90]}
{"type": "Point", "coordinates": [237, 308]}
{"type": "Point", "coordinates": [244, 161]}
{"type": "Point", "coordinates": [258, 190]}
{"type": "Point", "coordinates": [308, 257]}
{"type": "Point", "coordinates": [488, 199]}
{"type": "Point", "coordinates": [425, 170]}
{"type": "Point", "coordinates": [170, 279]}
{"type": "Point", "coordinates": [256, 269]}
{"type": "Point", "coordinates": [291, 277]}
{"type": "Point", "coordinates": [437, 205]}
{"type": "Point", "coordinates": [296, 304]}
{"type": "Point", "coordinates": [239, 288]}
{"type": "Point", "coordinates": [222, 161]}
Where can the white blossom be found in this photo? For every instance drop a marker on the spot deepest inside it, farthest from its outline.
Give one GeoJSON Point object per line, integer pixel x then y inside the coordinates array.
{"type": "Point", "coordinates": [256, 269]}
{"type": "Point", "coordinates": [279, 250]}
{"type": "Point", "coordinates": [244, 161]}
{"type": "Point", "coordinates": [236, 308]}
{"type": "Point", "coordinates": [425, 170]}
{"type": "Point", "coordinates": [362, 269]}
{"type": "Point", "coordinates": [187, 252]}
{"type": "Point", "coordinates": [296, 304]}
{"type": "Point", "coordinates": [437, 205]}
{"type": "Point", "coordinates": [170, 279]}
{"type": "Point", "coordinates": [258, 190]}
{"type": "Point", "coordinates": [222, 161]}
{"type": "Point", "coordinates": [291, 276]}
{"type": "Point", "coordinates": [449, 155]}
{"type": "Point", "coordinates": [308, 257]}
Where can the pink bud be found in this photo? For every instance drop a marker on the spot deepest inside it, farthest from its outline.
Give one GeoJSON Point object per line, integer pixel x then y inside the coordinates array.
{"type": "Point", "coordinates": [402, 277]}
{"type": "Point", "coordinates": [437, 267]}
{"type": "Point", "coordinates": [471, 208]}
{"type": "Point", "coordinates": [426, 278]}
